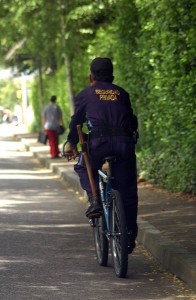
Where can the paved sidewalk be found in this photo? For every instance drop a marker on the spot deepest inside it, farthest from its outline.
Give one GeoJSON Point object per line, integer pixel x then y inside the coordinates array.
{"type": "Point", "coordinates": [166, 220]}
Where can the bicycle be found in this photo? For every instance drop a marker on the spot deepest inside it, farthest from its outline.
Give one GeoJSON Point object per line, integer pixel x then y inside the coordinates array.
{"type": "Point", "coordinates": [110, 226]}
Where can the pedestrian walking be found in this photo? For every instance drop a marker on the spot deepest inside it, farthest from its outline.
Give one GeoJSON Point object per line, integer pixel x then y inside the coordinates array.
{"type": "Point", "coordinates": [51, 120]}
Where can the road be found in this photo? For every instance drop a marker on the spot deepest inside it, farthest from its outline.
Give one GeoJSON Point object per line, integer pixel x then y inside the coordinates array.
{"type": "Point", "coordinates": [47, 249]}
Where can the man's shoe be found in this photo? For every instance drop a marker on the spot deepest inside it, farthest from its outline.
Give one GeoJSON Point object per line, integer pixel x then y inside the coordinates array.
{"type": "Point", "coordinates": [131, 242]}
{"type": "Point", "coordinates": [94, 210]}
{"type": "Point", "coordinates": [131, 246]}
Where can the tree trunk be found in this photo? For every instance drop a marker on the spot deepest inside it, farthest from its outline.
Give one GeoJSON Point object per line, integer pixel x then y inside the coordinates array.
{"type": "Point", "coordinates": [67, 62]}
{"type": "Point", "coordinates": [70, 83]}
{"type": "Point", "coordinates": [40, 85]}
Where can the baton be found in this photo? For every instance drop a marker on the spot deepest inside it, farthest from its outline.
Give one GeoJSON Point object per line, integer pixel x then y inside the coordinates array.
{"type": "Point", "coordinates": [84, 147]}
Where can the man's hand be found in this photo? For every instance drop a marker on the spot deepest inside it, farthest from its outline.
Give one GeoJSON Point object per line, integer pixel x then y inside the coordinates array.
{"type": "Point", "coordinates": [71, 151]}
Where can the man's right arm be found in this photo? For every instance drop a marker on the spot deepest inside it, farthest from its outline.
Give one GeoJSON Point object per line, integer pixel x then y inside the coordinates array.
{"type": "Point", "coordinates": [78, 118]}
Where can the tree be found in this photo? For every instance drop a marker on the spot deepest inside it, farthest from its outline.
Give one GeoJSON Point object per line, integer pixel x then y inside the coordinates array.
{"type": "Point", "coordinates": [152, 45]}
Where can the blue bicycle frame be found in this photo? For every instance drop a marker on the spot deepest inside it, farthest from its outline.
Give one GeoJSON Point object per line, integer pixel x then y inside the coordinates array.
{"type": "Point", "coordinates": [105, 179]}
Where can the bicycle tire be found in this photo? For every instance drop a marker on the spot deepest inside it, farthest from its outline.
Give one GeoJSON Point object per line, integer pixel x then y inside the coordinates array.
{"type": "Point", "coordinates": [118, 241]}
{"type": "Point", "coordinates": [101, 241]}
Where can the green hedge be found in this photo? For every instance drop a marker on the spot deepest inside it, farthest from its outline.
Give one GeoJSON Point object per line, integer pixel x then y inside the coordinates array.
{"type": "Point", "coordinates": [152, 44]}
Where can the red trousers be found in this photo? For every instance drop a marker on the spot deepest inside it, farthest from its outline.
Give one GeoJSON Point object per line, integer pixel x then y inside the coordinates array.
{"type": "Point", "coordinates": [53, 139]}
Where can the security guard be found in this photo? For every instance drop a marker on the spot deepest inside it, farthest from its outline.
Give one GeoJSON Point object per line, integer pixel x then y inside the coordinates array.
{"type": "Point", "coordinates": [106, 109]}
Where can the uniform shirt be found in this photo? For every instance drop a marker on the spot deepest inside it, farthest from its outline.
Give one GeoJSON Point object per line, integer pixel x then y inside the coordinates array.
{"type": "Point", "coordinates": [102, 104]}
{"type": "Point", "coordinates": [53, 115]}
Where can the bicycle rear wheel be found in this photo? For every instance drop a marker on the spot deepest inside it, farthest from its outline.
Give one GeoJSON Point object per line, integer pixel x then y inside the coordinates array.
{"type": "Point", "coordinates": [118, 235]}
{"type": "Point", "coordinates": [101, 241]}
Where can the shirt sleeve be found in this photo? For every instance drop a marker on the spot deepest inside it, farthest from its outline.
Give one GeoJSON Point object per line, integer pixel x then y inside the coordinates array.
{"type": "Point", "coordinates": [134, 123]}
{"type": "Point", "coordinates": [133, 118]}
{"type": "Point", "coordinates": [78, 118]}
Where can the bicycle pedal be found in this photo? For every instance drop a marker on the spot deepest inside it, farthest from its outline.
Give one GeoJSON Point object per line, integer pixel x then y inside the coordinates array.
{"type": "Point", "coordinates": [94, 215]}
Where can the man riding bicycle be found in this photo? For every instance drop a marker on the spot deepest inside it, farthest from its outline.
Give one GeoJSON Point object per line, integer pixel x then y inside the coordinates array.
{"type": "Point", "coordinates": [107, 111]}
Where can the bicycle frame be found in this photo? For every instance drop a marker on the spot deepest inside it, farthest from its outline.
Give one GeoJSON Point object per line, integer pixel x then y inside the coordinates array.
{"type": "Point", "coordinates": [111, 227]}
{"type": "Point", "coordinates": [106, 178]}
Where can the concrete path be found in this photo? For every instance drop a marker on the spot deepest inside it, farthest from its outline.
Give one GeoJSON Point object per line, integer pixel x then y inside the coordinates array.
{"type": "Point", "coordinates": [46, 244]}
{"type": "Point", "coordinates": [167, 222]}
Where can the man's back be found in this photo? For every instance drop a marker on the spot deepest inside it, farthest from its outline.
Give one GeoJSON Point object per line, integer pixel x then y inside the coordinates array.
{"type": "Point", "coordinates": [105, 104]}
{"type": "Point", "coordinates": [52, 114]}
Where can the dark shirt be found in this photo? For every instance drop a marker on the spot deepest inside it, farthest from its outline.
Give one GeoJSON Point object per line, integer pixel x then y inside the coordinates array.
{"type": "Point", "coordinates": [102, 104]}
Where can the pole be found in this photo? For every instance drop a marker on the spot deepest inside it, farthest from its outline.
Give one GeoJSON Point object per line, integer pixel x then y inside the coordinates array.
{"type": "Point", "coordinates": [84, 147]}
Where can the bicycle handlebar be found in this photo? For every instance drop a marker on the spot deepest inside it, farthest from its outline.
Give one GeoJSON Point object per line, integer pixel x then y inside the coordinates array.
{"type": "Point", "coordinates": [64, 153]}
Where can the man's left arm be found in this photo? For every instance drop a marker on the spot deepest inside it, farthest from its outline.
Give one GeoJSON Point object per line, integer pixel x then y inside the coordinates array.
{"type": "Point", "coordinates": [133, 121]}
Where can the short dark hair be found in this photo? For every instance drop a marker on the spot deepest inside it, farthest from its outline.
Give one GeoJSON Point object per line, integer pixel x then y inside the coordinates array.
{"type": "Point", "coordinates": [102, 69]}
{"type": "Point", "coordinates": [53, 99]}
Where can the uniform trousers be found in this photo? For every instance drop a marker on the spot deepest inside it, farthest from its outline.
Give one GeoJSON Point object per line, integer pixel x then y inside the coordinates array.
{"type": "Point", "coordinates": [124, 170]}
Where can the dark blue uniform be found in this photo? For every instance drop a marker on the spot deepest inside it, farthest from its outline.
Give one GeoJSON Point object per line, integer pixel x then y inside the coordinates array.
{"type": "Point", "coordinates": [106, 109]}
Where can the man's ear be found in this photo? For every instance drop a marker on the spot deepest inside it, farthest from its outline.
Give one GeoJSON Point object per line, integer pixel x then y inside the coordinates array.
{"type": "Point", "coordinates": [91, 78]}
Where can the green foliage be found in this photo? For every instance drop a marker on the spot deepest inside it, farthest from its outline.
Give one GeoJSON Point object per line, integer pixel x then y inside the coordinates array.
{"type": "Point", "coordinates": [8, 94]}
{"type": "Point", "coordinates": [166, 50]}
{"type": "Point", "coordinates": [53, 85]}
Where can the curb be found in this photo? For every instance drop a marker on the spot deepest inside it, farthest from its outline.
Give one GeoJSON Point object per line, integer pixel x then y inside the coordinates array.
{"type": "Point", "coordinates": [169, 254]}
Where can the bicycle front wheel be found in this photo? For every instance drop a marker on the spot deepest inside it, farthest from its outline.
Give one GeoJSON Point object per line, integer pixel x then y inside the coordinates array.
{"type": "Point", "coordinates": [118, 235]}
{"type": "Point", "coordinates": [101, 241]}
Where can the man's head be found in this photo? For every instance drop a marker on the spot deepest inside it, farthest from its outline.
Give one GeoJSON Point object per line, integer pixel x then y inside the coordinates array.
{"type": "Point", "coordinates": [102, 69]}
{"type": "Point", "coordinates": [53, 99]}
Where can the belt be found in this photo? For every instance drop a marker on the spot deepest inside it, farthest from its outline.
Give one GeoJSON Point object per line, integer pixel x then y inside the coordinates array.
{"type": "Point", "coordinates": [109, 131]}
